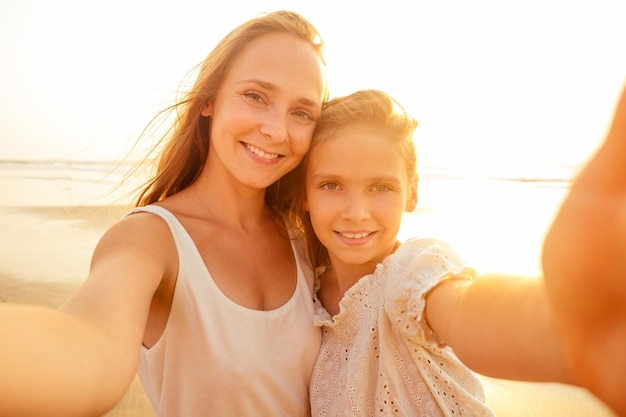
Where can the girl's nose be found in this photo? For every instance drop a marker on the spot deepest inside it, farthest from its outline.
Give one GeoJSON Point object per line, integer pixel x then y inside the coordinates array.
{"type": "Point", "coordinates": [356, 207]}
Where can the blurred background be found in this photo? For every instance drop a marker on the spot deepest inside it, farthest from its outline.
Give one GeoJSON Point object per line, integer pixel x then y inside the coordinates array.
{"type": "Point", "coordinates": [512, 96]}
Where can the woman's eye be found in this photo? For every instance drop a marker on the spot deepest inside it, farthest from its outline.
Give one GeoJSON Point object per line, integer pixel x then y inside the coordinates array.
{"type": "Point", "coordinates": [303, 115]}
{"type": "Point", "coordinates": [254, 97]}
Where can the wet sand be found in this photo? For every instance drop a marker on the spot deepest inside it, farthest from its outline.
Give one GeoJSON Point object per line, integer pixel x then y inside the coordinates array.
{"type": "Point", "coordinates": [46, 253]}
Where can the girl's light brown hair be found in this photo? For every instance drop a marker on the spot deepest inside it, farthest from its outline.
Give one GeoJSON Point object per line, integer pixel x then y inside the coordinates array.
{"type": "Point", "coordinates": [185, 145]}
{"type": "Point", "coordinates": [374, 109]}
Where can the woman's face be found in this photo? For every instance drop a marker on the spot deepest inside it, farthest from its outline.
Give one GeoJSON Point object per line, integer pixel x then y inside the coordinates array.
{"type": "Point", "coordinates": [264, 113]}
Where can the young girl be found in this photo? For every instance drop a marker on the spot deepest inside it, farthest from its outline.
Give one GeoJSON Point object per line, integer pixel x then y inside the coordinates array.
{"type": "Point", "coordinates": [201, 289]}
{"type": "Point", "coordinates": [401, 320]}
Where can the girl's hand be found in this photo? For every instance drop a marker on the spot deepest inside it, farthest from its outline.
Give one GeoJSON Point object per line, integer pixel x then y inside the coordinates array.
{"type": "Point", "coordinates": [584, 262]}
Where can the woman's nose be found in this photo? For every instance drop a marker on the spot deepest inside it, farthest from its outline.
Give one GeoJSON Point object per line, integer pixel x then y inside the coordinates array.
{"type": "Point", "coordinates": [274, 127]}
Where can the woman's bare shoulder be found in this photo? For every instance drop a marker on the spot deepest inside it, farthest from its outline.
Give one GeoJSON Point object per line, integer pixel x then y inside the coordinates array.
{"type": "Point", "coordinates": [139, 226]}
{"type": "Point", "coordinates": [128, 265]}
{"type": "Point", "coordinates": [135, 253]}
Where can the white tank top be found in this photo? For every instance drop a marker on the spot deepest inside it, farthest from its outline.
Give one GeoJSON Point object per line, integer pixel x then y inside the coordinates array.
{"type": "Point", "coordinates": [218, 358]}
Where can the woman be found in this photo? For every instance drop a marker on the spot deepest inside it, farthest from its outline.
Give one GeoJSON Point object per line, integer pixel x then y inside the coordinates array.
{"type": "Point", "coordinates": [201, 288]}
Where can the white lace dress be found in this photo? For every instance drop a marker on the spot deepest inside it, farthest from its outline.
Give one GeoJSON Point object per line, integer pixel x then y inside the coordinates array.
{"type": "Point", "coordinates": [379, 357]}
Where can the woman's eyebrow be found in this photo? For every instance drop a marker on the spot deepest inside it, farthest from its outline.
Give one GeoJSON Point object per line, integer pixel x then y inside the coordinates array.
{"type": "Point", "coordinates": [273, 87]}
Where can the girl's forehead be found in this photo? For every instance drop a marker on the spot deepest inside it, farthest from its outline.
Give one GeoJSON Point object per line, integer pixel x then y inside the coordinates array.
{"type": "Point", "coordinates": [356, 136]}
{"type": "Point", "coordinates": [356, 147]}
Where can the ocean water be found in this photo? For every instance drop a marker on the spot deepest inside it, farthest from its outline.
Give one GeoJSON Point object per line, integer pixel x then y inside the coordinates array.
{"type": "Point", "coordinates": [63, 183]}
{"type": "Point", "coordinates": [498, 222]}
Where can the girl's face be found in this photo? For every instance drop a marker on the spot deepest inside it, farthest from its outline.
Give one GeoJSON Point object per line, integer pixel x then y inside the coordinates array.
{"type": "Point", "coordinates": [263, 115]}
{"type": "Point", "coordinates": [357, 190]}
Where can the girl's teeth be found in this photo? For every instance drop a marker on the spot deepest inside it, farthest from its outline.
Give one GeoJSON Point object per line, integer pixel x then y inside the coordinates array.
{"type": "Point", "coordinates": [355, 235]}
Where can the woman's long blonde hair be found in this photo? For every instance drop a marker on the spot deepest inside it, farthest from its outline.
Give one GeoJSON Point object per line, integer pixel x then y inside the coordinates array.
{"type": "Point", "coordinates": [184, 147]}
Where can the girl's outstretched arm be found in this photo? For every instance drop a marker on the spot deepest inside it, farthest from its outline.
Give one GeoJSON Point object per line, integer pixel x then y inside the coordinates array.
{"type": "Point", "coordinates": [80, 360]}
{"type": "Point", "coordinates": [584, 261]}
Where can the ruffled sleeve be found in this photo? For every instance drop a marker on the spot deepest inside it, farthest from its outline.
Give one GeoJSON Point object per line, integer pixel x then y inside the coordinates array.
{"type": "Point", "coordinates": [412, 271]}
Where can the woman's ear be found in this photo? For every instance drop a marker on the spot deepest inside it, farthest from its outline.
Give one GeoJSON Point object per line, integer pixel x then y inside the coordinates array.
{"type": "Point", "coordinates": [306, 205]}
{"type": "Point", "coordinates": [208, 109]}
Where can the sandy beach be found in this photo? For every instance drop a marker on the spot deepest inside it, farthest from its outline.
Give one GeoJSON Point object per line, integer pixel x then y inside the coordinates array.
{"type": "Point", "coordinates": [46, 253]}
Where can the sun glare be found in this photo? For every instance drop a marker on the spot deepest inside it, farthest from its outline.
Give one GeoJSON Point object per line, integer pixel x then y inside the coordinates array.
{"type": "Point", "coordinates": [508, 92]}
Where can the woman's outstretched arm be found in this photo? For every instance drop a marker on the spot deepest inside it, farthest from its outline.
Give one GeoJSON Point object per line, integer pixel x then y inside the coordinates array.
{"type": "Point", "coordinates": [56, 364]}
{"type": "Point", "coordinates": [584, 261]}
{"type": "Point", "coordinates": [81, 359]}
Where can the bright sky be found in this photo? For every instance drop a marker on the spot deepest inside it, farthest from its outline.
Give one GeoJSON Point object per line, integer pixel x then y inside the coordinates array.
{"type": "Point", "coordinates": [492, 82]}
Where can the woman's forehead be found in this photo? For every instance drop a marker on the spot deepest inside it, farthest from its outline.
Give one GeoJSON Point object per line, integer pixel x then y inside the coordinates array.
{"type": "Point", "coordinates": [283, 61]}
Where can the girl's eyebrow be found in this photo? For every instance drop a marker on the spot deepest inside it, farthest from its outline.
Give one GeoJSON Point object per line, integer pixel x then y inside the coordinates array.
{"type": "Point", "coordinates": [326, 176]}
{"type": "Point", "coordinates": [273, 87]}
{"type": "Point", "coordinates": [385, 179]}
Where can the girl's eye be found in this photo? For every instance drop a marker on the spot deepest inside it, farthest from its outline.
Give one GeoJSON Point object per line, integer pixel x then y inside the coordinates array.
{"type": "Point", "coordinates": [330, 186]}
{"type": "Point", "coordinates": [381, 187]}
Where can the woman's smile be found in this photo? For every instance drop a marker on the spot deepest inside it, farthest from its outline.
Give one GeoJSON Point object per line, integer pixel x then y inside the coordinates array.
{"type": "Point", "coordinates": [260, 153]}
